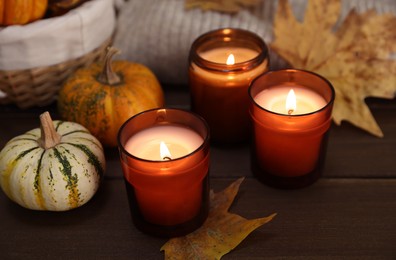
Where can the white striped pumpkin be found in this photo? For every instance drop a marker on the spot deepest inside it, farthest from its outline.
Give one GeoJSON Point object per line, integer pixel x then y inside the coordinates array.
{"type": "Point", "coordinates": [56, 167]}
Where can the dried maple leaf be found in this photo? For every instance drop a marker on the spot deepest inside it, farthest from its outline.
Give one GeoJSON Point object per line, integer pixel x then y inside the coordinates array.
{"type": "Point", "coordinates": [356, 58]}
{"type": "Point", "coordinates": [226, 6]}
{"type": "Point", "coordinates": [220, 233]}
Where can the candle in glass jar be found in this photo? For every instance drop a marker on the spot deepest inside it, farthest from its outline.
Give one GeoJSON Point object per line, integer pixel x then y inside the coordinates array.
{"type": "Point", "coordinates": [222, 65]}
{"type": "Point", "coordinates": [170, 208]}
{"type": "Point", "coordinates": [290, 140]}
{"type": "Point", "coordinates": [179, 141]}
{"type": "Point", "coordinates": [275, 99]}
{"type": "Point", "coordinates": [229, 55]}
{"type": "Point", "coordinates": [165, 160]}
{"type": "Point", "coordinates": [222, 82]}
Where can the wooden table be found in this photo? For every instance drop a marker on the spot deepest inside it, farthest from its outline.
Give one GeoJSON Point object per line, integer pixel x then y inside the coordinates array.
{"type": "Point", "coordinates": [350, 213]}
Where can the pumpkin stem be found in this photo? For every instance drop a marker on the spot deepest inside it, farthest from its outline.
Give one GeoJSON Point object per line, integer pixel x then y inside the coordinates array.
{"type": "Point", "coordinates": [49, 137]}
{"type": "Point", "coordinates": [108, 76]}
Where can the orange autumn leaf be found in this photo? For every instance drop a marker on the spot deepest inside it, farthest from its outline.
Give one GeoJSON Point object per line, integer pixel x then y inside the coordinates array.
{"type": "Point", "coordinates": [221, 232]}
{"type": "Point", "coordinates": [356, 57]}
{"type": "Point", "coordinates": [225, 6]}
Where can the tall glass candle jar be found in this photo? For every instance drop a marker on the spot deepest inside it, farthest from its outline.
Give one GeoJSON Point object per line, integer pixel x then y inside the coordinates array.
{"type": "Point", "coordinates": [222, 65]}
{"type": "Point", "coordinates": [291, 114]}
{"type": "Point", "coordinates": [165, 160]}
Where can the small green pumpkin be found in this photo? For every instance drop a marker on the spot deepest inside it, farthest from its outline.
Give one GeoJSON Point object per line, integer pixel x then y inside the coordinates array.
{"type": "Point", "coordinates": [56, 167]}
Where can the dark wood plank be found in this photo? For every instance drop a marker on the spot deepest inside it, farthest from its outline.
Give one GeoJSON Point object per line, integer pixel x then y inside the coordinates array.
{"type": "Point", "coordinates": [355, 153]}
{"type": "Point", "coordinates": [334, 218]}
{"type": "Point", "coordinates": [351, 213]}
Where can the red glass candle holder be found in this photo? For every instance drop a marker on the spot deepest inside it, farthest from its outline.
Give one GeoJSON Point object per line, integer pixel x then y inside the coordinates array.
{"type": "Point", "coordinates": [219, 90]}
{"type": "Point", "coordinates": [289, 148]}
{"type": "Point", "coordinates": [168, 196]}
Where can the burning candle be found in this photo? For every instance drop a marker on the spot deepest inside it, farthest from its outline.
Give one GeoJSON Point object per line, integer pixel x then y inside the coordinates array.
{"type": "Point", "coordinates": [222, 65]}
{"type": "Point", "coordinates": [165, 161]}
{"type": "Point", "coordinates": [291, 114]}
{"type": "Point", "coordinates": [163, 142]}
{"type": "Point", "coordinates": [290, 100]}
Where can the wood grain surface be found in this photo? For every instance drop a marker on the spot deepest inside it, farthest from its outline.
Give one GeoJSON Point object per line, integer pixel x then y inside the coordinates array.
{"type": "Point", "coordinates": [350, 213]}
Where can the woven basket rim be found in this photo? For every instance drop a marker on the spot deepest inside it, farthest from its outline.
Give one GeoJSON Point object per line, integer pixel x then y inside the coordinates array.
{"type": "Point", "coordinates": [39, 86]}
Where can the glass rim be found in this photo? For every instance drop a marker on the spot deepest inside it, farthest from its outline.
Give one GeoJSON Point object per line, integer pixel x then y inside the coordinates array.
{"type": "Point", "coordinates": [327, 82]}
{"type": "Point", "coordinates": [263, 53]}
{"type": "Point", "coordinates": [205, 140]}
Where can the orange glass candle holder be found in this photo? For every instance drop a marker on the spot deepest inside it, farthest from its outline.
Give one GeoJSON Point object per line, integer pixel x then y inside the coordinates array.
{"type": "Point", "coordinates": [168, 192]}
{"type": "Point", "coordinates": [222, 65]}
{"type": "Point", "coordinates": [290, 138]}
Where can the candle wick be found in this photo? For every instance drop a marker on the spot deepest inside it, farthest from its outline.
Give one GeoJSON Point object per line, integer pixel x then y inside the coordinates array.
{"type": "Point", "coordinates": [290, 111]}
{"type": "Point", "coordinates": [167, 158]}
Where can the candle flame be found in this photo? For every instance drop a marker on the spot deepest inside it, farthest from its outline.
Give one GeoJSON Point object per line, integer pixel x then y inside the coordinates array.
{"type": "Point", "coordinates": [230, 60]}
{"type": "Point", "coordinates": [291, 105]}
{"type": "Point", "coordinates": [164, 152]}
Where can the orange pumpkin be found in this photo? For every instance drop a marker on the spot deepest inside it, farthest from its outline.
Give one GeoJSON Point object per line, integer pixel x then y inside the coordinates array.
{"type": "Point", "coordinates": [102, 97]}
{"type": "Point", "coordinates": [21, 11]}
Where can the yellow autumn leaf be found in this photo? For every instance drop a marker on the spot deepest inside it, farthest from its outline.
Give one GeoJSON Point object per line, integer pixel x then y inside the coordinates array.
{"type": "Point", "coordinates": [221, 232]}
{"type": "Point", "coordinates": [226, 6]}
{"type": "Point", "coordinates": [356, 57]}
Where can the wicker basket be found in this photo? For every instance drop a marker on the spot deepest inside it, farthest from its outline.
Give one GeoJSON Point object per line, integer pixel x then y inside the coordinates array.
{"type": "Point", "coordinates": [40, 86]}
